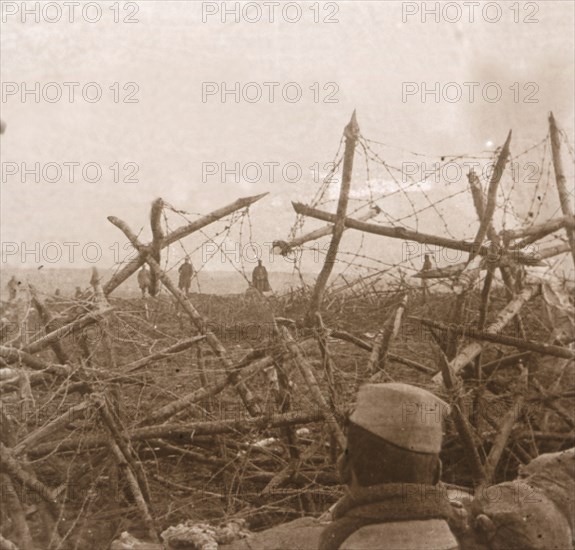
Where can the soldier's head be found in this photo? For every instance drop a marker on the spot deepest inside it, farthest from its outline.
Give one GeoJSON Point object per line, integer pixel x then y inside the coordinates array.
{"type": "Point", "coordinates": [259, 262]}
{"type": "Point", "coordinates": [187, 260]}
{"type": "Point", "coordinates": [394, 436]}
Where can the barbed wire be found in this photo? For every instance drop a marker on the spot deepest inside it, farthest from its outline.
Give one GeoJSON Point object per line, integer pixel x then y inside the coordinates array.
{"type": "Point", "coordinates": [534, 195]}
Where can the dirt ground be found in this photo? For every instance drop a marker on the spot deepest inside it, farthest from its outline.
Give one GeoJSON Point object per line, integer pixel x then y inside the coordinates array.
{"type": "Point", "coordinates": [214, 478]}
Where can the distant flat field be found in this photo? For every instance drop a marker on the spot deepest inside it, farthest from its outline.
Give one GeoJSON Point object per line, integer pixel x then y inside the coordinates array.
{"type": "Point", "coordinates": [47, 280]}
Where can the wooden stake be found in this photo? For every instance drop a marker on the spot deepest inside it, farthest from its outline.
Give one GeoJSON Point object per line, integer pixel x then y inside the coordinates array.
{"type": "Point", "coordinates": [503, 362]}
{"type": "Point", "coordinates": [248, 367]}
{"type": "Point", "coordinates": [10, 465]}
{"type": "Point", "coordinates": [385, 336]}
{"type": "Point", "coordinates": [561, 180]}
{"type": "Point", "coordinates": [505, 428]}
{"type": "Point", "coordinates": [67, 330]}
{"type": "Point", "coordinates": [327, 359]}
{"type": "Point", "coordinates": [351, 133]}
{"type": "Point", "coordinates": [479, 202]}
{"type": "Point", "coordinates": [549, 401]}
{"type": "Point", "coordinates": [48, 321]}
{"type": "Point", "coordinates": [118, 433]}
{"type": "Point", "coordinates": [506, 275]}
{"type": "Point", "coordinates": [461, 422]}
{"type": "Point", "coordinates": [11, 499]}
{"type": "Point", "coordinates": [313, 386]}
{"type": "Point", "coordinates": [489, 210]}
{"type": "Point", "coordinates": [156, 245]}
{"type": "Point", "coordinates": [52, 427]}
{"type": "Point", "coordinates": [13, 355]}
{"type": "Point", "coordinates": [136, 491]}
{"type": "Point", "coordinates": [14, 508]}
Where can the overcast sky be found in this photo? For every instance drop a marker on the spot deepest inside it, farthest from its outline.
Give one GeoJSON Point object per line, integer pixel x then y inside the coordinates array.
{"type": "Point", "coordinates": [363, 60]}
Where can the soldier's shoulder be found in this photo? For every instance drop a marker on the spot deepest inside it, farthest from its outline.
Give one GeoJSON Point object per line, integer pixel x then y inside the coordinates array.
{"type": "Point", "coordinates": [433, 534]}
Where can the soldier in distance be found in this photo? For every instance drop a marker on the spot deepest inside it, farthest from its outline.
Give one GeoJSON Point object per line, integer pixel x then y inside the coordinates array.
{"type": "Point", "coordinates": [427, 265]}
{"type": "Point", "coordinates": [260, 278]}
{"type": "Point", "coordinates": [144, 280]}
{"type": "Point", "coordinates": [12, 288]}
{"type": "Point", "coordinates": [186, 272]}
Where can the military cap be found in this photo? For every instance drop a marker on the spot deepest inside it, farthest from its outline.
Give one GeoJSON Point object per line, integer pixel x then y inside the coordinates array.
{"type": "Point", "coordinates": [401, 414]}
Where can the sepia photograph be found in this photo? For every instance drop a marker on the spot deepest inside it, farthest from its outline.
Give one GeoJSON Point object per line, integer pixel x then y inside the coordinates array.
{"type": "Point", "coordinates": [287, 275]}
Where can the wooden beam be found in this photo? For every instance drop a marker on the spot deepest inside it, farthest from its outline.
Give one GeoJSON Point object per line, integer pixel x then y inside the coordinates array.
{"type": "Point", "coordinates": [551, 251]}
{"type": "Point", "coordinates": [519, 343]}
{"type": "Point", "coordinates": [539, 230]}
{"type": "Point", "coordinates": [287, 246]}
{"type": "Point", "coordinates": [67, 330]}
{"type": "Point", "coordinates": [162, 354]}
{"type": "Point", "coordinates": [404, 234]}
{"type": "Point", "coordinates": [471, 351]}
{"type": "Point", "coordinates": [455, 269]}
{"type": "Point", "coordinates": [178, 431]}
{"type": "Point", "coordinates": [362, 344]}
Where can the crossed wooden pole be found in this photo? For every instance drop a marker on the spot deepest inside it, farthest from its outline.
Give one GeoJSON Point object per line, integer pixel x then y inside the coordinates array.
{"type": "Point", "coordinates": [508, 255]}
{"type": "Point", "coordinates": [148, 254]}
{"type": "Point", "coordinates": [151, 254]}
